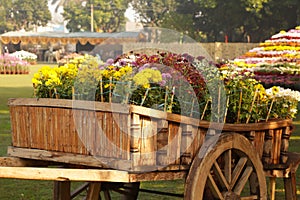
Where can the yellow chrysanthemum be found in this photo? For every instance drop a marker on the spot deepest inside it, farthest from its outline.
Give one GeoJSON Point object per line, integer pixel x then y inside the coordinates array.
{"type": "Point", "coordinates": [260, 87]}
{"type": "Point", "coordinates": [275, 90]}
{"type": "Point", "coordinates": [143, 78]}
{"type": "Point", "coordinates": [36, 81]}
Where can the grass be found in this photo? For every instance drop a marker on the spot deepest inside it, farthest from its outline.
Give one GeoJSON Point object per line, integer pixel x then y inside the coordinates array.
{"type": "Point", "coordinates": [14, 86]}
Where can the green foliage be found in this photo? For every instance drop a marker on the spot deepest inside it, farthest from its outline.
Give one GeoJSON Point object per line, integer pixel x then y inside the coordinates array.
{"type": "Point", "coordinates": [23, 14]}
{"type": "Point", "coordinates": [215, 20]}
{"type": "Point", "coordinates": [6, 23]}
{"type": "Point", "coordinates": [153, 12]}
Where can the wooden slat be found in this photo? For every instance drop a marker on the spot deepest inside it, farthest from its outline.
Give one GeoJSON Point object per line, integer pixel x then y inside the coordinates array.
{"type": "Point", "coordinates": [25, 138]}
{"type": "Point", "coordinates": [157, 176]}
{"type": "Point", "coordinates": [65, 157]}
{"type": "Point", "coordinates": [174, 143]}
{"type": "Point", "coordinates": [72, 104]}
{"type": "Point", "coordinates": [61, 174]}
{"type": "Point", "coordinates": [74, 134]}
{"type": "Point", "coordinates": [20, 162]}
{"type": "Point", "coordinates": [148, 143]}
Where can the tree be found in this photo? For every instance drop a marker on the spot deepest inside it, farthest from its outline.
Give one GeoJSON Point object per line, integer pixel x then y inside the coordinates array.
{"type": "Point", "coordinates": [6, 22]}
{"type": "Point", "coordinates": [152, 12]}
{"type": "Point", "coordinates": [108, 15]}
{"type": "Point", "coordinates": [27, 14]}
{"type": "Point", "coordinates": [275, 16]}
{"type": "Point", "coordinates": [226, 20]}
{"type": "Point", "coordinates": [238, 19]}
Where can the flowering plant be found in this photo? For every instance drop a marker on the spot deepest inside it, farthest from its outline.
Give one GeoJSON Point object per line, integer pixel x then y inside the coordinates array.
{"type": "Point", "coordinates": [169, 82]}
{"type": "Point", "coordinates": [249, 101]}
{"type": "Point", "coordinates": [276, 61]}
{"type": "Point", "coordinates": [26, 56]}
{"type": "Point", "coordinates": [136, 79]}
{"type": "Point", "coordinates": [284, 102]}
{"type": "Point", "coordinates": [12, 65]}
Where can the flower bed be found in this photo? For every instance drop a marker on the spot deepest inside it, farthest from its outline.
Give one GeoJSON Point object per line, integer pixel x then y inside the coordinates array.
{"type": "Point", "coordinates": [276, 59]}
{"type": "Point", "coordinates": [25, 56]}
{"type": "Point", "coordinates": [169, 82]}
{"type": "Point", "coordinates": [12, 65]}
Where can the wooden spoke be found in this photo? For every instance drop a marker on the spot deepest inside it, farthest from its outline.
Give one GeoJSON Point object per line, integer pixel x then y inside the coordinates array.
{"type": "Point", "coordinates": [238, 170]}
{"type": "Point", "coordinates": [227, 167]}
{"type": "Point", "coordinates": [218, 172]}
{"type": "Point", "coordinates": [214, 187]}
{"type": "Point", "coordinates": [243, 180]}
{"type": "Point", "coordinates": [253, 197]}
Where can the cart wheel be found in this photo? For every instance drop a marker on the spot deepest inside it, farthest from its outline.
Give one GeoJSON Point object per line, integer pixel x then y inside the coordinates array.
{"type": "Point", "coordinates": [227, 167]}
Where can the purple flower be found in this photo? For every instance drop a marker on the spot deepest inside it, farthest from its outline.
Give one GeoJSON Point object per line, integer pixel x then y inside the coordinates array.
{"type": "Point", "coordinates": [166, 76]}
{"type": "Point", "coordinates": [200, 58]}
{"type": "Point", "coordinates": [145, 66]}
{"type": "Point", "coordinates": [110, 61]}
{"type": "Point", "coordinates": [163, 83]}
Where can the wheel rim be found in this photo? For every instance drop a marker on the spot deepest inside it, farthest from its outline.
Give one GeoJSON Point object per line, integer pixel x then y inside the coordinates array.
{"type": "Point", "coordinates": [231, 169]}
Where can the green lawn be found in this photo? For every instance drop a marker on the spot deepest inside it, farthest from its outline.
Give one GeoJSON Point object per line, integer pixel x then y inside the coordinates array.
{"type": "Point", "coordinates": [13, 86]}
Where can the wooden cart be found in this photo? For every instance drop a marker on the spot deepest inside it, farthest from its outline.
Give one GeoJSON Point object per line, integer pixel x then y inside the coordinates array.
{"type": "Point", "coordinates": [117, 146]}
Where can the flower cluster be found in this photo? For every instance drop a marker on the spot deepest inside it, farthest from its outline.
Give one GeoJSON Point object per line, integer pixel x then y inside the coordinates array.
{"type": "Point", "coordinates": [284, 102]}
{"type": "Point", "coordinates": [275, 60]}
{"type": "Point", "coordinates": [10, 64]}
{"type": "Point", "coordinates": [249, 101]}
{"type": "Point", "coordinates": [170, 82]}
{"type": "Point", "coordinates": [56, 82]}
{"type": "Point", "coordinates": [26, 56]}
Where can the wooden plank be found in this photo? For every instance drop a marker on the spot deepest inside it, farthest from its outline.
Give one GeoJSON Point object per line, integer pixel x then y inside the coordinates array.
{"type": "Point", "coordinates": [73, 133]}
{"type": "Point", "coordinates": [174, 143]}
{"type": "Point", "coordinates": [55, 131]}
{"type": "Point", "coordinates": [64, 174]}
{"type": "Point", "coordinates": [186, 143]}
{"type": "Point", "coordinates": [46, 122]}
{"type": "Point", "coordinates": [13, 121]}
{"type": "Point", "coordinates": [77, 159]}
{"type": "Point", "coordinates": [25, 137]}
{"type": "Point", "coordinates": [100, 136]}
{"type": "Point", "coordinates": [109, 134]}
{"type": "Point", "coordinates": [20, 162]}
{"type": "Point", "coordinates": [51, 124]}
{"type": "Point", "coordinates": [72, 104]}
{"type": "Point", "coordinates": [157, 176]}
{"type": "Point", "coordinates": [64, 136]}
{"type": "Point", "coordinates": [148, 143]}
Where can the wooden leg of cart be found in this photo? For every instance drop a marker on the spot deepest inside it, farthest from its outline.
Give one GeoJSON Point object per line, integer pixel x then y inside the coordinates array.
{"type": "Point", "coordinates": [290, 187]}
{"type": "Point", "coordinates": [272, 187]}
{"type": "Point", "coordinates": [62, 190]}
{"type": "Point", "coordinates": [131, 191]}
{"type": "Point", "coordinates": [94, 191]}
{"type": "Point", "coordinates": [288, 173]}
